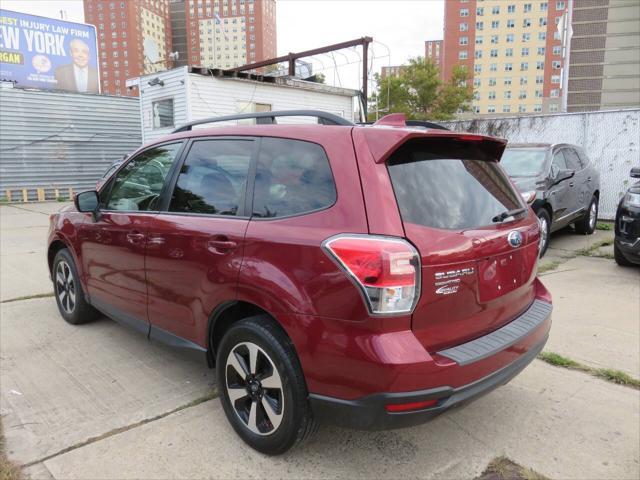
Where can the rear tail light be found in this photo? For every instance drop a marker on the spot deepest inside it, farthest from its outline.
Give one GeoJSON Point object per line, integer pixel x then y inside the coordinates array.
{"type": "Point", "coordinates": [387, 270]}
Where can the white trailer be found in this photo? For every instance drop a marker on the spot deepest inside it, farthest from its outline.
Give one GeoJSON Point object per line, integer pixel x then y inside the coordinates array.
{"type": "Point", "coordinates": [172, 98]}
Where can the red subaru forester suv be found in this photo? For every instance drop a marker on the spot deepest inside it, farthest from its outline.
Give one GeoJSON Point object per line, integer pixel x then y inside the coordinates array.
{"type": "Point", "coordinates": [369, 276]}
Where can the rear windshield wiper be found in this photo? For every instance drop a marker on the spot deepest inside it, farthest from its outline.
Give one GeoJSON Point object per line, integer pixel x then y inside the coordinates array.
{"type": "Point", "coordinates": [509, 213]}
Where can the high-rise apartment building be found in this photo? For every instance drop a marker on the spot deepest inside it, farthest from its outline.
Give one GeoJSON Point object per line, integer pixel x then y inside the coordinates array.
{"type": "Point", "coordinates": [512, 51]}
{"type": "Point", "coordinates": [433, 51]}
{"type": "Point", "coordinates": [230, 33]}
{"type": "Point", "coordinates": [392, 71]}
{"type": "Point", "coordinates": [604, 64]}
{"type": "Point", "coordinates": [134, 38]}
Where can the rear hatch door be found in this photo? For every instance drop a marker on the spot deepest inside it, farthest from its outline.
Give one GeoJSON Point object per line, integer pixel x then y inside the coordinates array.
{"type": "Point", "coordinates": [478, 241]}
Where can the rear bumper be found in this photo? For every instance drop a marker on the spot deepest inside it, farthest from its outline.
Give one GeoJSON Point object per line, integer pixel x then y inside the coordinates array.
{"type": "Point", "coordinates": [369, 412]}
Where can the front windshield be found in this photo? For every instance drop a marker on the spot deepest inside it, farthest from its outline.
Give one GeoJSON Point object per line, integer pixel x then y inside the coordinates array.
{"type": "Point", "coordinates": [523, 162]}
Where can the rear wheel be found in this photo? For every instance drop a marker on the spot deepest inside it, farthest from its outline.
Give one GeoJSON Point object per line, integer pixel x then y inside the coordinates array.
{"type": "Point", "coordinates": [545, 228]}
{"type": "Point", "coordinates": [587, 224]}
{"type": "Point", "coordinates": [70, 298]}
{"type": "Point", "coordinates": [264, 394]}
{"type": "Point", "coordinates": [619, 257]}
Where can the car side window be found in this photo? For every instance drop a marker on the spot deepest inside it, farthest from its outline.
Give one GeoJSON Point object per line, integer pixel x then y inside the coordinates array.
{"type": "Point", "coordinates": [558, 163]}
{"type": "Point", "coordinates": [292, 177]}
{"type": "Point", "coordinates": [573, 161]}
{"type": "Point", "coordinates": [138, 184]}
{"type": "Point", "coordinates": [213, 178]}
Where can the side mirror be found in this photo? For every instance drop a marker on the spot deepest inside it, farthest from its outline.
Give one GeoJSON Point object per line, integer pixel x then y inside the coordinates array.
{"type": "Point", "coordinates": [87, 202]}
{"type": "Point", "coordinates": [564, 174]}
{"type": "Point", "coordinates": [635, 172]}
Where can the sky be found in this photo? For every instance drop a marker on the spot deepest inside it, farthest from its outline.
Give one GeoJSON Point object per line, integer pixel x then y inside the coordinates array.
{"type": "Point", "coordinates": [399, 29]}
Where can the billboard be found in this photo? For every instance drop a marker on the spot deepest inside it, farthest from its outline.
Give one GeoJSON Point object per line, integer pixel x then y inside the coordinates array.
{"type": "Point", "coordinates": [50, 54]}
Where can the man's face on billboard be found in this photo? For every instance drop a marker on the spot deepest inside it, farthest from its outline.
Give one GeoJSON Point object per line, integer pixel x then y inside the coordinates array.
{"type": "Point", "coordinates": [80, 53]}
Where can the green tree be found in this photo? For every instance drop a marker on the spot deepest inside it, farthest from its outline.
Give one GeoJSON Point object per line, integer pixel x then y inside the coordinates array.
{"type": "Point", "coordinates": [420, 94]}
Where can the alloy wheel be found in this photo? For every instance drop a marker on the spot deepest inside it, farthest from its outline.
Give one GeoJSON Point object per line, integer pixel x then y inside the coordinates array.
{"type": "Point", "coordinates": [593, 214]}
{"type": "Point", "coordinates": [65, 287]}
{"type": "Point", "coordinates": [544, 232]}
{"type": "Point", "coordinates": [254, 388]}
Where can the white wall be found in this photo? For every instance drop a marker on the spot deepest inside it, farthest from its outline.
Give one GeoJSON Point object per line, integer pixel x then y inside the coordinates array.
{"type": "Point", "coordinates": [212, 97]}
{"type": "Point", "coordinates": [610, 138]}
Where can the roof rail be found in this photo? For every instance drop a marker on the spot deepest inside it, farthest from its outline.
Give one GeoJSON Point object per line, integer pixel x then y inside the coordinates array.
{"type": "Point", "coordinates": [269, 118]}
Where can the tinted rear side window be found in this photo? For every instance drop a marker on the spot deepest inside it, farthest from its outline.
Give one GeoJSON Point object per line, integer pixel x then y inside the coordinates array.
{"type": "Point", "coordinates": [292, 177]}
{"type": "Point", "coordinates": [573, 161]}
{"type": "Point", "coordinates": [213, 178]}
{"type": "Point", "coordinates": [450, 193]}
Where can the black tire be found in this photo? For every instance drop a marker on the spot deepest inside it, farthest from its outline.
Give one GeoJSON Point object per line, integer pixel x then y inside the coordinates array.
{"type": "Point", "coordinates": [69, 295]}
{"type": "Point", "coordinates": [270, 435]}
{"type": "Point", "coordinates": [620, 258]}
{"type": "Point", "coordinates": [543, 216]}
{"type": "Point", "coordinates": [587, 224]}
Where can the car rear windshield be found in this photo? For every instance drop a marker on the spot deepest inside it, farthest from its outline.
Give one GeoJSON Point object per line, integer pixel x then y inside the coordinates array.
{"type": "Point", "coordinates": [440, 184]}
{"type": "Point", "coordinates": [523, 162]}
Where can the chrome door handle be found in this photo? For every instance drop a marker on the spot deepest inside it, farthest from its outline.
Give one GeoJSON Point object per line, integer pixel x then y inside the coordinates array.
{"type": "Point", "coordinates": [221, 246]}
{"type": "Point", "coordinates": [135, 237]}
{"type": "Point", "coordinates": [571, 184]}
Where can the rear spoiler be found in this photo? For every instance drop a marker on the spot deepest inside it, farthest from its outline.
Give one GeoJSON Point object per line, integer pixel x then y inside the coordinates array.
{"type": "Point", "coordinates": [383, 142]}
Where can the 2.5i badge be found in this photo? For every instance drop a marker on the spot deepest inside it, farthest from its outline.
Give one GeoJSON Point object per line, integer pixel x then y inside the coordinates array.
{"type": "Point", "coordinates": [448, 282]}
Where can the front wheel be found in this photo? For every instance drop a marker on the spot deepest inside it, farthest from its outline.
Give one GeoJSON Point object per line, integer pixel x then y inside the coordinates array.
{"type": "Point", "coordinates": [263, 391]}
{"type": "Point", "coordinates": [545, 227]}
{"type": "Point", "coordinates": [70, 298]}
{"type": "Point", "coordinates": [587, 224]}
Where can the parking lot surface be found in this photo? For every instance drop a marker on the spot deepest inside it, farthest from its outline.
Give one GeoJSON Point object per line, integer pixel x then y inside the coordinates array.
{"type": "Point", "coordinates": [100, 401]}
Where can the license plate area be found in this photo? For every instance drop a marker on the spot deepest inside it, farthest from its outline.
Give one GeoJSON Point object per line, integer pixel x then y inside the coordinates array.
{"type": "Point", "coordinates": [501, 274]}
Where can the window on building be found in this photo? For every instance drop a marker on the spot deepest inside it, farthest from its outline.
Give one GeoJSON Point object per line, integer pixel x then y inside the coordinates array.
{"type": "Point", "coordinates": [476, 109]}
{"type": "Point", "coordinates": [492, 95]}
{"type": "Point", "coordinates": [522, 95]}
{"type": "Point", "coordinates": [539, 79]}
{"type": "Point", "coordinates": [494, 52]}
{"type": "Point", "coordinates": [491, 109]}
{"type": "Point", "coordinates": [523, 80]}
{"type": "Point", "coordinates": [555, 78]}
{"type": "Point", "coordinates": [477, 82]}
{"type": "Point", "coordinates": [542, 21]}
{"type": "Point", "coordinates": [526, 22]}
{"type": "Point", "coordinates": [527, 7]}
{"type": "Point", "coordinates": [492, 82]}
{"type": "Point", "coordinates": [478, 54]}
{"type": "Point", "coordinates": [507, 80]}
{"type": "Point", "coordinates": [526, 37]}
{"type": "Point", "coordinates": [544, 6]}
{"type": "Point", "coordinates": [560, 5]}
{"type": "Point", "coordinates": [477, 68]}
{"type": "Point", "coordinates": [542, 36]}
{"type": "Point", "coordinates": [508, 67]}
{"type": "Point", "coordinates": [511, 23]}
{"type": "Point", "coordinates": [479, 25]}
{"type": "Point", "coordinates": [464, 27]}
{"type": "Point", "coordinates": [464, 12]}
{"type": "Point", "coordinates": [508, 52]}
{"type": "Point", "coordinates": [507, 94]}
{"type": "Point", "coordinates": [556, 35]}
{"type": "Point", "coordinates": [538, 93]}
{"type": "Point", "coordinates": [541, 50]}
{"type": "Point", "coordinates": [553, 107]}
{"type": "Point", "coordinates": [480, 11]}
{"type": "Point", "coordinates": [463, 55]}
{"type": "Point", "coordinates": [506, 108]}
{"type": "Point", "coordinates": [539, 65]}
{"type": "Point", "coordinates": [537, 108]}
{"type": "Point", "coordinates": [495, 24]}
{"type": "Point", "coordinates": [525, 51]}
{"type": "Point", "coordinates": [556, 64]}
{"type": "Point", "coordinates": [510, 38]}
{"type": "Point", "coordinates": [524, 66]}
{"type": "Point", "coordinates": [479, 40]}
{"type": "Point", "coordinates": [495, 38]}
{"type": "Point", "coordinates": [493, 67]}
{"type": "Point", "coordinates": [522, 109]}
{"type": "Point", "coordinates": [495, 10]}
{"type": "Point", "coordinates": [464, 40]}
{"type": "Point", "coordinates": [511, 9]}
{"type": "Point", "coordinates": [557, 49]}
